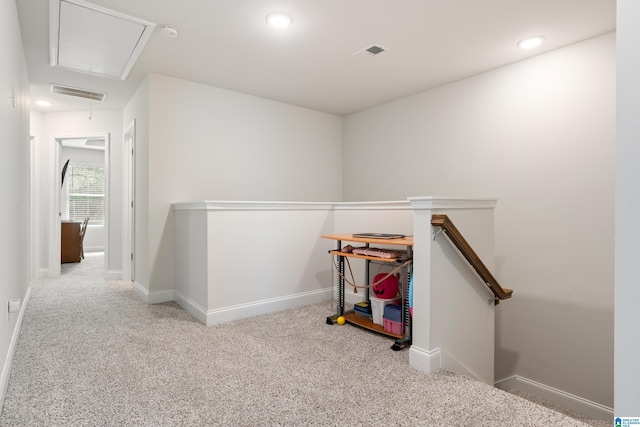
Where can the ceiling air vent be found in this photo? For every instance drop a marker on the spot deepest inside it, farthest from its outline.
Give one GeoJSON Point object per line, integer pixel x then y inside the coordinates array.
{"type": "Point", "coordinates": [369, 51]}
{"type": "Point", "coordinates": [79, 93]}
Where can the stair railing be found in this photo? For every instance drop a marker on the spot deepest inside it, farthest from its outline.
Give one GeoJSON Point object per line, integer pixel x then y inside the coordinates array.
{"type": "Point", "coordinates": [472, 258]}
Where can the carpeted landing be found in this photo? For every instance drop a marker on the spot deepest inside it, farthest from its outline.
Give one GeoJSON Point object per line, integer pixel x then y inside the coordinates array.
{"type": "Point", "coordinates": [91, 353]}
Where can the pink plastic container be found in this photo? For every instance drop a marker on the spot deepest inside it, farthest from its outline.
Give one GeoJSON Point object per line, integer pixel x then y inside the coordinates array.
{"type": "Point", "coordinates": [393, 327]}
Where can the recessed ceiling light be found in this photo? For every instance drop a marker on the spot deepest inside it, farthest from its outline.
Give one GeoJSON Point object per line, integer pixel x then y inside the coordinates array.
{"type": "Point", "coordinates": [279, 20]}
{"type": "Point", "coordinates": [43, 103]}
{"type": "Point", "coordinates": [531, 42]}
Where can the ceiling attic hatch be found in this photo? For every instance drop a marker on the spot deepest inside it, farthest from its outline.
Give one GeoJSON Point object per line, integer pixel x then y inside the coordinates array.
{"type": "Point", "coordinates": [93, 40]}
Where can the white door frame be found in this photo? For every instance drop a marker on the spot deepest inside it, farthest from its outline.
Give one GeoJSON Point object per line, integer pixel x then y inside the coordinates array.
{"type": "Point", "coordinates": [55, 195]}
{"type": "Point", "coordinates": [128, 209]}
{"type": "Point", "coordinates": [34, 210]}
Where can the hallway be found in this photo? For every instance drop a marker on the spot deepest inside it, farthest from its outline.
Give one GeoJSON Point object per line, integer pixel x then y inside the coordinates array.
{"type": "Point", "coordinates": [92, 266]}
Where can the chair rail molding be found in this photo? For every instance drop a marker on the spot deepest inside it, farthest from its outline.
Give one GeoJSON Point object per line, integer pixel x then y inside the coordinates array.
{"type": "Point", "coordinates": [437, 203]}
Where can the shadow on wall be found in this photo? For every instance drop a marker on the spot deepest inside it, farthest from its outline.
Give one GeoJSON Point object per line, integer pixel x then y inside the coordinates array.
{"type": "Point", "coordinates": [563, 345]}
{"type": "Point", "coordinates": [162, 267]}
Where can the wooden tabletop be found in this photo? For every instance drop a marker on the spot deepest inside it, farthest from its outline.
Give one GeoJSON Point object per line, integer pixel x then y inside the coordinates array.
{"type": "Point", "coordinates": [402, 241]}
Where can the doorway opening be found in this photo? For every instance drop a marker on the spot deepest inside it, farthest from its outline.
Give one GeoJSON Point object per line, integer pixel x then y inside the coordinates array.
{"type": "Point", "coordinates": [80, 203]}
{"type": "Point", "coordinates": [129, 217]}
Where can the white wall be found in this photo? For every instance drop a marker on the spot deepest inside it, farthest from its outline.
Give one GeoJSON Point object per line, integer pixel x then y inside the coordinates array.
{"type": "Point", "coordinates": [14, 174]}
{"type": "Point", "coordinates": [138, 109]}
{"type": "Point", "coordinates": [627, 291]}
{"type": "Point", "coordinates": [68, 124]}
{"type": "Point", "coordinates": [241, 259]}
{"type": "Point", "coordinates": [84, 156]}
{"type": "Point", "coordinates": [207, 143]}
{"type": "Point", "coordinates": [540, 135]}
{"type": "Point", "coordinates": [39, 222]}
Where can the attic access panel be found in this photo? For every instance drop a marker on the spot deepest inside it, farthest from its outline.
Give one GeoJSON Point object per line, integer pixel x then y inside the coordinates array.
{"type": "Point", "coordinates": [93, 40]}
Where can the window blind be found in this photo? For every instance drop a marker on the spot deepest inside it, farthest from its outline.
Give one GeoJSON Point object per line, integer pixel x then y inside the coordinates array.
{"type": "Point", "coordinates": [86, 193]}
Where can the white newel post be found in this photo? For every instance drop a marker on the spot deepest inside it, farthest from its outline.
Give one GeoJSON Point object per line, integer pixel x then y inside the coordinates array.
{"type": "Point", "coordinates": [453, 323]}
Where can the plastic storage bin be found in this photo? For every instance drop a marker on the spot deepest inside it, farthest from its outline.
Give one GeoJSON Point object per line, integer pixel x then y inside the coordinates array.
{"type": "Point", "coordinates": [393, 312]}
{"type": "Point", "coordinates": [377, 308]}
{"type": "Point", "coordinates": [393, 327]}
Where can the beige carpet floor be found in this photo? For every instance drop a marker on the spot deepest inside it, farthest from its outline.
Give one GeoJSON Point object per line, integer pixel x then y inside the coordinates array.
{"type": "Point", "coordinates": [91, 353]}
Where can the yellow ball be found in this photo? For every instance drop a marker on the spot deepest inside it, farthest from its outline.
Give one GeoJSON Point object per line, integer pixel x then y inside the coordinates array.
{"type": "Point", "coordinates": [340, 320]}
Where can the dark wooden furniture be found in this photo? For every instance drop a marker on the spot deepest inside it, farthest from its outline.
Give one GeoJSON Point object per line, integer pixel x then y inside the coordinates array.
{"type": "Point", "coordinates": [70, 241]}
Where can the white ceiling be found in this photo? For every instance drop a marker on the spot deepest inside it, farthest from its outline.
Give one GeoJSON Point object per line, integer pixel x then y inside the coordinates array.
{"type": "Point", "coordinates": [84, 143]}
{"type": "Point", "coordinates": [228, 44]}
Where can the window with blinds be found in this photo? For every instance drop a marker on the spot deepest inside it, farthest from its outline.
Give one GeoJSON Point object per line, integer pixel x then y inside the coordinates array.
{"type": "Point", "coordinates": [86, 193]}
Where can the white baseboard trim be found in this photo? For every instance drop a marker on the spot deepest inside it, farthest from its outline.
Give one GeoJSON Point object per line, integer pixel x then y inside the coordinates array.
{"type": "Point", "coordinates": [192, 307]}
{"type": "Point", "coordinates": [236, 312]}
{"type": "Point", "coordinates": [156, 297]}
{"type": "Point", "coordinates": [272, 305]}
{"type": "Point", "coordinates": [113, 275]}
{"type": "Point", "coordinates": [425, 360]}
{"type": "Point", "coordinates": [452, 364]}
{"type": "Point", "coordinates": [561, 398]}
{"type": "Point", "coordinates": [430, 361]}
{"type": "Point", "coordinates": [8, 362]}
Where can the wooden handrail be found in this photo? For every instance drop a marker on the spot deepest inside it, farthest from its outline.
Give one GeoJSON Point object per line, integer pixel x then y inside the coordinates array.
{"type": "Point", "coordinates": [469, 254]}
